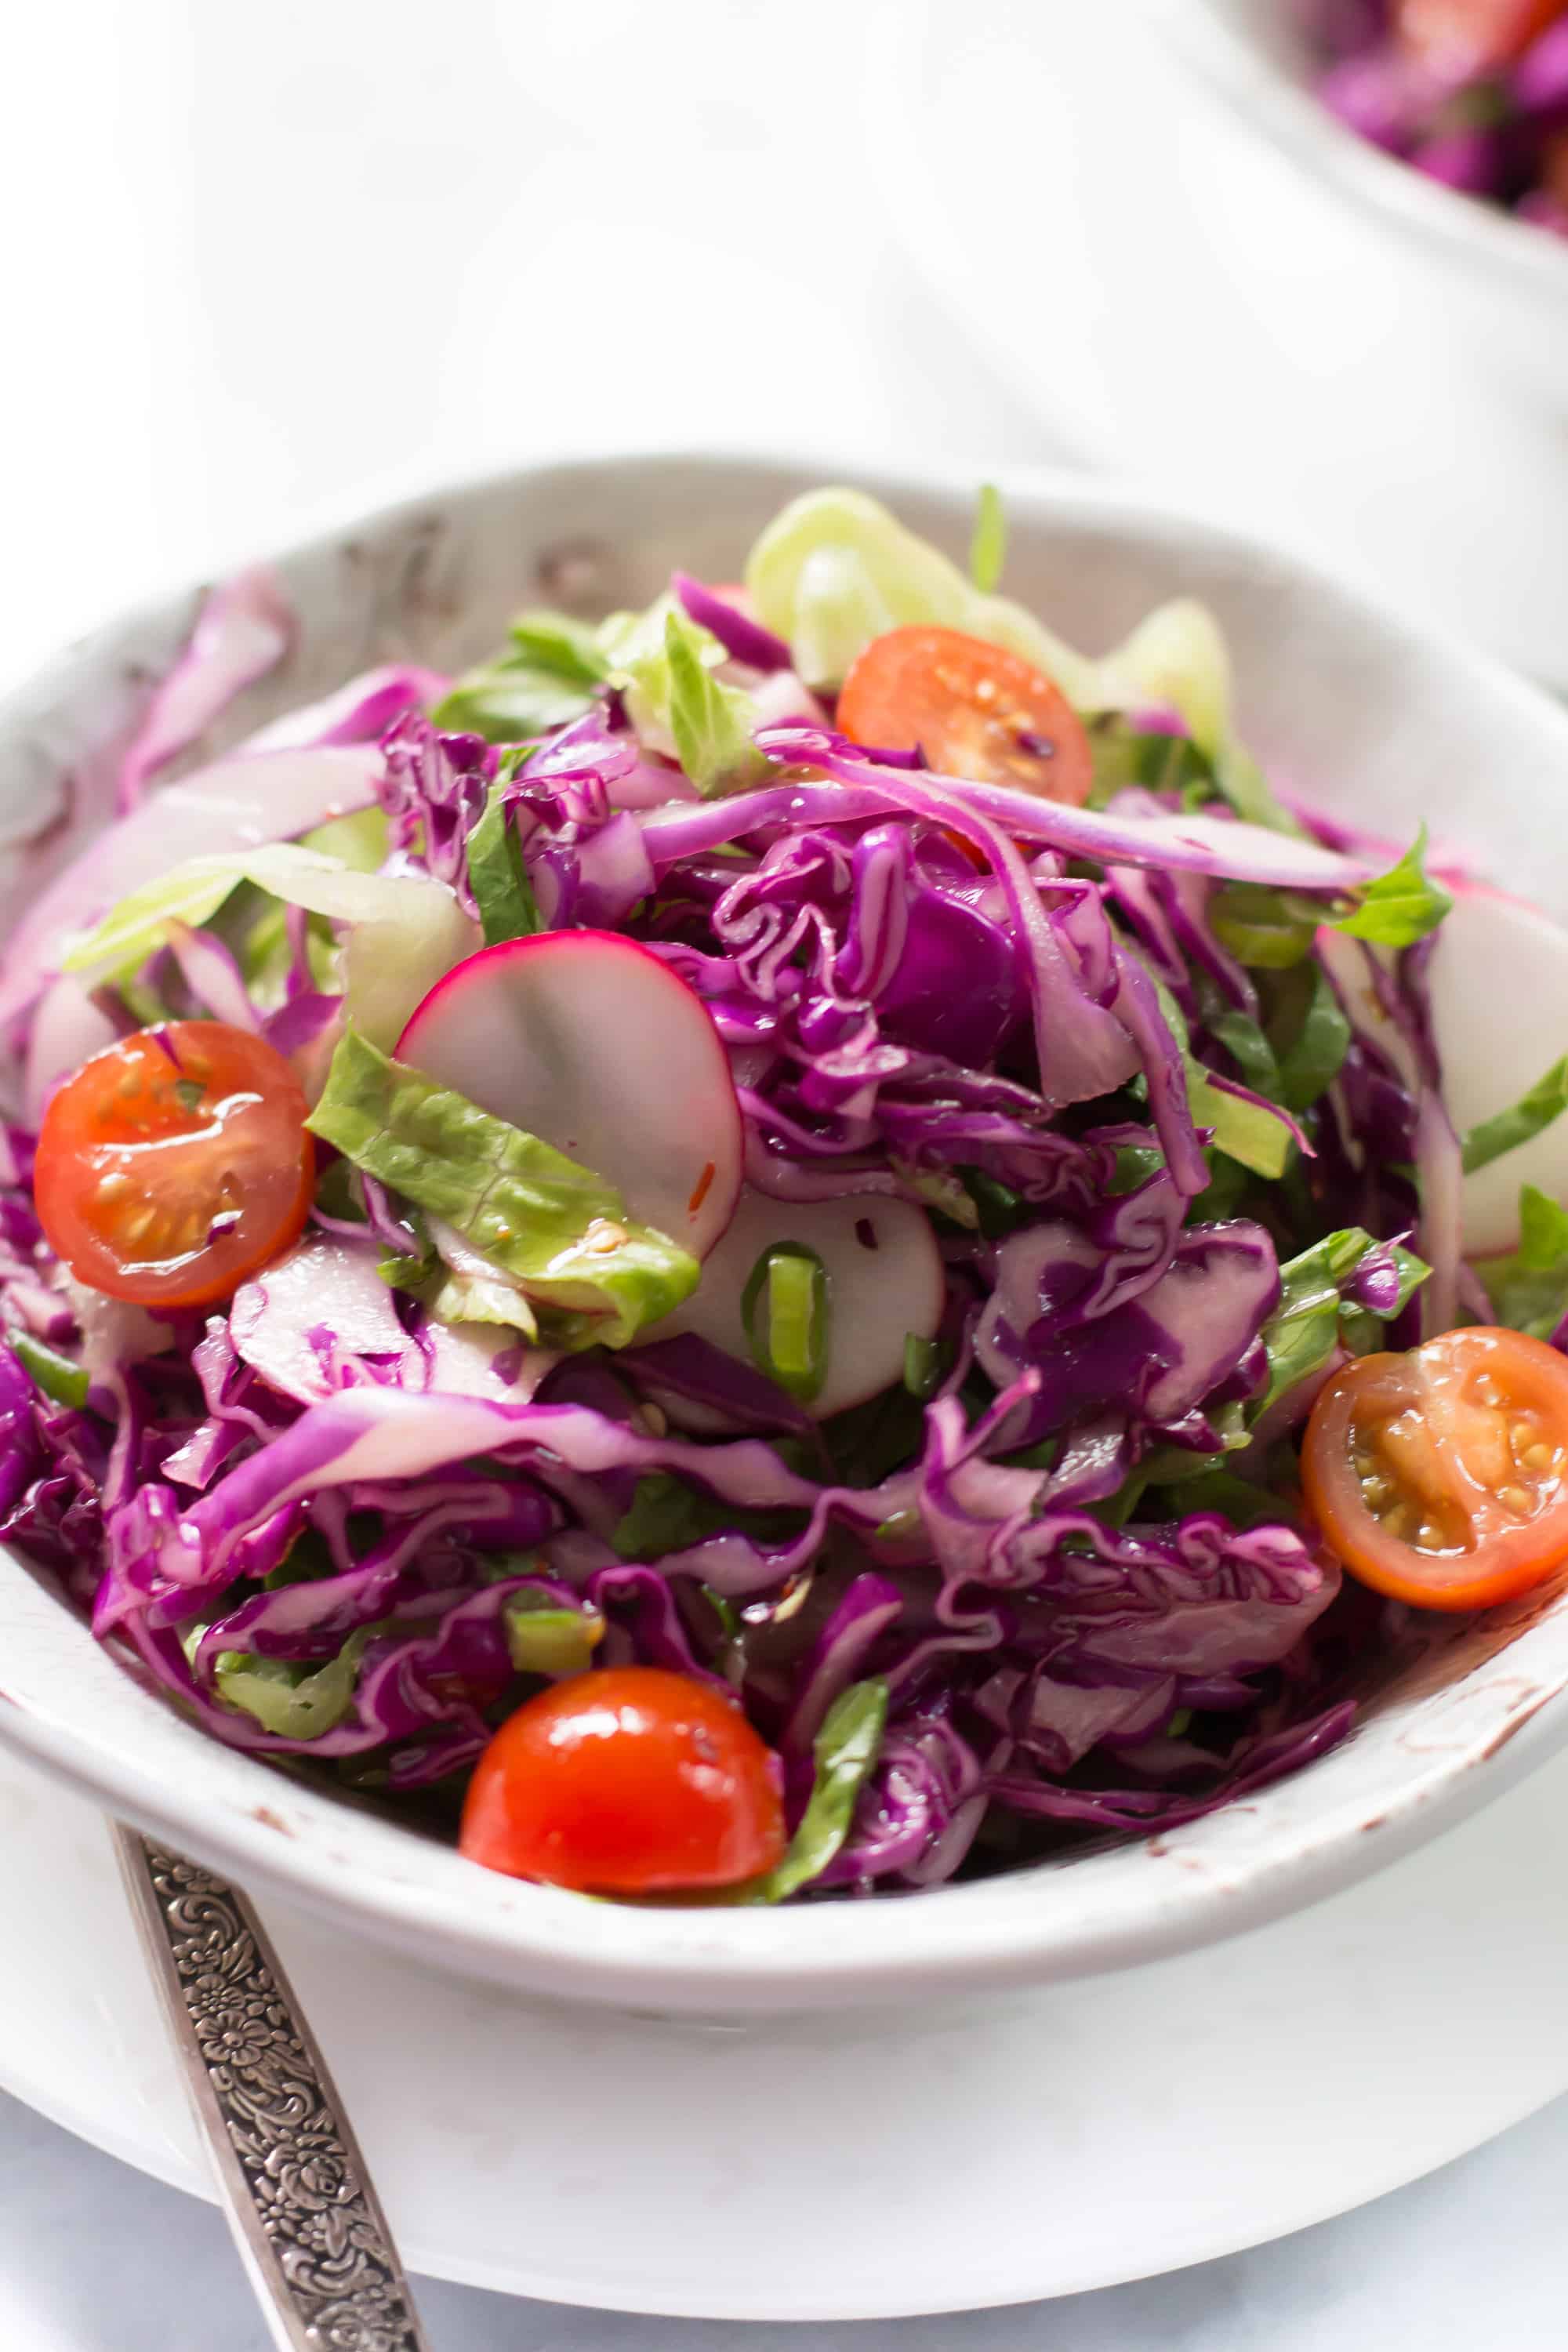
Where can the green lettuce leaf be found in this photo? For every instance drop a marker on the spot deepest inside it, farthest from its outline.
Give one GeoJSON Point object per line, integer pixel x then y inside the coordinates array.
{"type": "Point", "coordinates": [676, 702]}
{"type": "Point", "coordinates": [835, 570]}
{"type": "Point", "coordinates": [590, 1273]}
{"type": "Point", "coordinates": [496, 873]}
{"type": "Point", "coordinates": [1250, 1133]}
{"type": "Point", "coordinates": [1310, 1062]}
{"type": "Point", "coordinates": [1529, 1288]}
{"type": "Point", "coordinates": [1293, 1075]}
{"type": "Point", "coordinates": [545, 679]}
{"type": "Point", "coordinates": [296, 1702]}
{"type": "Point", "coordinates": [1312, 1317]}
{"type": "Point", "coordinates": [1491, 1137]}
{"type": "Point", "coordinates": [1151, 760]}
{"type": "Point", "coordinates": [1251, 1051]}
{"type": "Point", "coordinates": [845, 1751]}
{"type": "Point", "coordinates": [404, 931]}
{"type": "Point", "coordinates": [1266, 929]}
{"type": "Point", "coordinates": [666, 1514]}
{"type": "Point", "coordinates": [1401, 906]}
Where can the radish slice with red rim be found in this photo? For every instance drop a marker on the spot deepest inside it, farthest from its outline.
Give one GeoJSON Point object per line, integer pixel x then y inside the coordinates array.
{"type": "Point", "coordinates": [592, 1043]}
{"type": "Point", "coordinates": [884, 1281]}
{"type": "Point", "coordinates": [1498, 987]}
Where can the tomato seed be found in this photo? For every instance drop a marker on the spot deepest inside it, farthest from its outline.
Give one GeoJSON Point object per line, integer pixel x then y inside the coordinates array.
{"type": "Point", "coordinates": [1517, 1500]}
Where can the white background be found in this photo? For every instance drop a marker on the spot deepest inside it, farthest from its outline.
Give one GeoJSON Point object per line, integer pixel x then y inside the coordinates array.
{"type": "Point", "coordinates": [264, 265]}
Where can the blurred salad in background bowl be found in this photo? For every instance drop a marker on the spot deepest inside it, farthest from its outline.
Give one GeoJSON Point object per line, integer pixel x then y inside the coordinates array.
{"type": "Point", "coordinates": [1473, 94]}
{"type": "Point", "coordinates": [1409, 111]}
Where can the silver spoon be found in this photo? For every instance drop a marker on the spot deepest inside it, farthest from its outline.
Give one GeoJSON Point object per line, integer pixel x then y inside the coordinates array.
{"type": "Point", "coordinates": [308, 2223]}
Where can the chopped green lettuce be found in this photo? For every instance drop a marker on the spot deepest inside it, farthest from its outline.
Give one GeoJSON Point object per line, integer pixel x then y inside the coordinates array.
{"type": "Point", "coordinates": [835, 570]}
{"type": "Point", "coordinates": [1312, 1315]}
{"type": "Point", "coordinates": [1491, 1137]}
{"type": "Point", "coordinates": [590, 1273]}
{"type": "Point", "coordinates": [546, 677]}
{"type": "Point", "coordinates": [496, 875]}
{"type": "Point", "coordinates": [291, 1700]}
{"type": "Point", "coordinates": [710, 724]}
{"type": "Point", "coordinates": [1401, 906]}
{"type": "Point", "coordinates": [845, 1751]}
{"type": "Point", "coordinates": [404, 931]}
{"type": "Point", "coordinates": [1528, 1287]}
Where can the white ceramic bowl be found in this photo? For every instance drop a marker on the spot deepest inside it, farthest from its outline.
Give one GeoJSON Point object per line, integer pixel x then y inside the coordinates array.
{"type": "Point", "coordinates": [1345, 700]}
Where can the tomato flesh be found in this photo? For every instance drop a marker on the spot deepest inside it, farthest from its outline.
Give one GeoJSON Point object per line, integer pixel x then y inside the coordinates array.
{"type": "Point", "coordinates": [1440, 1478]}
{"type": "Point", "coordinates": [627, 1780]}
{"type": "Point", "coordinates": [1472, 36]}
{"type": "Point", "coordinates": [974, 710]}
{"type": "Point", "coordinates": [175, 1163]}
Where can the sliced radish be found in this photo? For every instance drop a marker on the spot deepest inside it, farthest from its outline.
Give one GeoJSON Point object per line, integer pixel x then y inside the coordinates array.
{"type": "Point", "coordinates": [589, 1040]}
{"type": "Point", "coordinates": [1498, 984]}
{"type": "Point", "coordinates": [884, 1281]}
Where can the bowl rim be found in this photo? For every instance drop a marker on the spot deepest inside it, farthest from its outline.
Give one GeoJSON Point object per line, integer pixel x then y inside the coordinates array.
{"type": "Point", "coordinates": [355, 1870]}
{"type": "Point", "coordinates": [1478, 235]}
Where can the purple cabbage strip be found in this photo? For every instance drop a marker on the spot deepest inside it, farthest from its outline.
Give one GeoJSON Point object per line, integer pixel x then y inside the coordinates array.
{"type": "Point", "coordinates": [744, 640]}
{"type": "Point", "coordinates": [359, 712]}
{"type": "Point", "coordinates": [242, 631]}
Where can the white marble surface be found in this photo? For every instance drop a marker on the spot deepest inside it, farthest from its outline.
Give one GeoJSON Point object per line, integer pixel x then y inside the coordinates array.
{"type": "Point", "coordinates": [264, 262]}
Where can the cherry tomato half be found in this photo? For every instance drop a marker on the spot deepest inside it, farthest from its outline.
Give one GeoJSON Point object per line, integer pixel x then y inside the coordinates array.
{"type": "Point", "coordinates": [1472, 36]}
{"type": "Point", "coordinates": [1440, 1478]}
{"type": "Point", "coordinates": [974, 710]}
{"type": "Point", "coordinates": [624, 1781]}
{"type": "Point", "coordinates": [175, 1163]}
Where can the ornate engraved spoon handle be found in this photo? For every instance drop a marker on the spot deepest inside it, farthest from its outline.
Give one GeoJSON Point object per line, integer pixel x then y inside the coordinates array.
{"type": "Point", "coordinates": [308, 2223]}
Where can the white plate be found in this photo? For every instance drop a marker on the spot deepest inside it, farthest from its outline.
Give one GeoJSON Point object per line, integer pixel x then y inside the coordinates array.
{"type": "Point", "coordinates": [1187, 303]}
{"type": "Point", "coordinates": [863, 2166]}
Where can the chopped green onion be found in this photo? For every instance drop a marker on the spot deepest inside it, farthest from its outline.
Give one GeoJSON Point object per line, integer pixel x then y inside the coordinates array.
{"type": "Point", "coordinates": [988, 545]}
{"type": "Point", "coordinates": [544, 1639]}
{"type": "Point", "coordinates": [789, 1342]}
{"type": "Point", "coordinates": [1491, 1137]}
{"type": "Point", "coordinates": [923, 1365]}
{"type": "Point", "coordinates": [53, 1375]}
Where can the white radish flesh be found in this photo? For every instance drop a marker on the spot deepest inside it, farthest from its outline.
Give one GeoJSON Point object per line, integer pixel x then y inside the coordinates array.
{"type": "Point", "coordinates": [590, 1042]}
{"type": "Point", "coordinates": [1498, 991]}
{"type": "Point", "coordinates": [884, 1282]}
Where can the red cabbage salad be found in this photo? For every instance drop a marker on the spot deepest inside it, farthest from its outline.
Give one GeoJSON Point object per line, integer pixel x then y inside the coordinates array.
{"type": "Point", "coordinates": [778, 1246]}
{"type": "Point", "coordinates": [1472, 93]}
